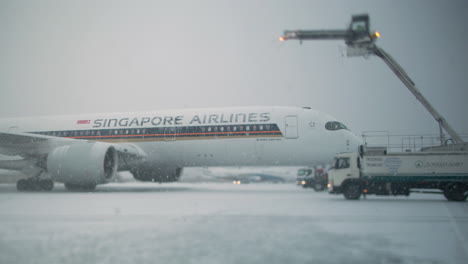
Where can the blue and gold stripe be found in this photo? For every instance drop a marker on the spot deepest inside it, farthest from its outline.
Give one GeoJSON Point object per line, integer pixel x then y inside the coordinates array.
{"type": "Point", "coordinates": [170, 133]}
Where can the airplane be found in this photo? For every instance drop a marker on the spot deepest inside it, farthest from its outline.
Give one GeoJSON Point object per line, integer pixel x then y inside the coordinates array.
{"type": "Point", "coordinates": [238, 175]}
{"type": "Point", "coordinates": [85, 150]}
{"type": "Point", "coordinates": [255, 177]}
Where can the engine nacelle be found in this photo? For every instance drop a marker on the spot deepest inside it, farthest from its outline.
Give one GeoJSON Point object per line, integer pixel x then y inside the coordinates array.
{"type": "Point", "coordinates": [87, 163]}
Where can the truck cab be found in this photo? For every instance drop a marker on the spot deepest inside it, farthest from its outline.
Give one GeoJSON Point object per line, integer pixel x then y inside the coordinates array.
{"type": "Point", "coordinates": [316, 178]}
{"type": "Point", "coordinates": [345, 173]}
{"type": "Point", "coordinates": [302, 175]}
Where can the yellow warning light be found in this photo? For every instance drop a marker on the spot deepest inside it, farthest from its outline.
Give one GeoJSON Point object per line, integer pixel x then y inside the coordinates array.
{"type": "Point", "coordinates": [375, 35]}
{"type": "Point", "coordinates": [282, 38]}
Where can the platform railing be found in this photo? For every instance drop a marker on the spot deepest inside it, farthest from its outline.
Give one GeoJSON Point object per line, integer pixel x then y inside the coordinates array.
{"type": "Point", "coordinates": [403, 143]}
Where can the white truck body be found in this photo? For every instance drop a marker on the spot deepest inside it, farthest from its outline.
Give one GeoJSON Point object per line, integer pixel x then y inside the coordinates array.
{"type": "Point", "coordinates": [380, 173]}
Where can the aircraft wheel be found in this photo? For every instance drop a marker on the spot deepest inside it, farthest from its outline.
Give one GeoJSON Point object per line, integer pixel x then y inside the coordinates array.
{"type": "Point", "coordinates": [352, 191]}
{"type": "Point", "coordinates": [456, 192]}
{"type": "Point", "coordinates": [23, 185]}
{"type": "Point", "coordinates": [33, 184]}
{"type": "Point", "coordinates": [46, 185]}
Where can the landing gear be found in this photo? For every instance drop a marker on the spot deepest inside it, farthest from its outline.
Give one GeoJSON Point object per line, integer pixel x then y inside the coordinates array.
{"type": "Point", "coordinates": [456, 192]}
{"type": "Point", "coordinates": [35, 184]}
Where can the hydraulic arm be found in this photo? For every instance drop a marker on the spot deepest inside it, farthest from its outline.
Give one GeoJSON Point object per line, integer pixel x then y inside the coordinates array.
{"type": "Point", "coordinates": [360, 42]}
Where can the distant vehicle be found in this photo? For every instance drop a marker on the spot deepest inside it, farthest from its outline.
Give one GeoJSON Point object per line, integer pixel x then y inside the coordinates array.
{"type": "Point", "coordinates": [374, 171]}
{"type": "Point", "coordinates": [255, 177]}
{"type": "Point", "coordinates": [87, 150]}
{"type": "Point", "coordinates": [302, 174]}
{"type": "Point", "coordinates": [316, 178]}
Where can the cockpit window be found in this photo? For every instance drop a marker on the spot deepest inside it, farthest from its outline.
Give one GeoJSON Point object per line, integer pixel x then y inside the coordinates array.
{"type": "Point", "coordinates": [335, 125]}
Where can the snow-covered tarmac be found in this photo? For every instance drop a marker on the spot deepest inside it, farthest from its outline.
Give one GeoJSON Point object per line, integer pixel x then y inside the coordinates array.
{"type": "Point", "coordinates": [224, 223]}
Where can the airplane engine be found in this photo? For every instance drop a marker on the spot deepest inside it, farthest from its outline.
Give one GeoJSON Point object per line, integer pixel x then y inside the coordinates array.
{"type": "Point", "coordinates": [83, 165]}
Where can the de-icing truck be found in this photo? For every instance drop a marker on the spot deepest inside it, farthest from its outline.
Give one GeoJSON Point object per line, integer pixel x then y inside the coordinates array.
{"type": "Point", "coordinates": [374, 171]}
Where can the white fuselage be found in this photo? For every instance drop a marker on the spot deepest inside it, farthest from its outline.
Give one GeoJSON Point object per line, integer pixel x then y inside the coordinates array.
{"type": "Point", "coordinates": [243, 136]}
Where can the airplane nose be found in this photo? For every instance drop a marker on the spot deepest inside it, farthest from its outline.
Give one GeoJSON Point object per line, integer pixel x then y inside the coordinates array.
{"type": "Point", "coordinates": [355, 142]}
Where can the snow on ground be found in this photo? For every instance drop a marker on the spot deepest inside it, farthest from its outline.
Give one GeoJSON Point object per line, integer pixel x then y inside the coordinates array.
{"type": "Point", "coordinates": [223, 223]}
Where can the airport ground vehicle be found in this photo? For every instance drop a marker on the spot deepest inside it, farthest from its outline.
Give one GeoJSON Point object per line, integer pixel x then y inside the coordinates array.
{"type": "Point", "coordinates": [396, 173]}
{"type": "Point", "coordinates": [374, 171]}
{"type": "Point", "coordinates": [302, 175]}
{"type": "Point", "coordinates": [316, 178]}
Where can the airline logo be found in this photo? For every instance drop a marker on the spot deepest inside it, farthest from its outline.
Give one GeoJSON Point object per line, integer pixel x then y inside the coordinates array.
{"type": "Point", "coordinates": [83, 122]}
{"type": "Point", "coordinates": [201, 126]}
{"type": "Point", "coordinates": [155, 121]}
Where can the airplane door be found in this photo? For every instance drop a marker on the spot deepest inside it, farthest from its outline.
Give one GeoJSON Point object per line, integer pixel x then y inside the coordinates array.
{"type": "Point", "coordinates": [291, 127]}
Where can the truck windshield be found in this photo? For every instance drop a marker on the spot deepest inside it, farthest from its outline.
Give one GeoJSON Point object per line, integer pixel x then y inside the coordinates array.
{"type": "Point", "coordinates": [342, 163]}
{"type": "Point", "coordinates": [304, 172]}
{"type": "Point", "coordinates": [301, 172]}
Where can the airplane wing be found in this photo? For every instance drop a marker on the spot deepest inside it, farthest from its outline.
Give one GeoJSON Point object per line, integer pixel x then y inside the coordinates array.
{"type": "Point", "coordinates": [27, 145]}
{"type": "Point", "coordinates": [34, 146]}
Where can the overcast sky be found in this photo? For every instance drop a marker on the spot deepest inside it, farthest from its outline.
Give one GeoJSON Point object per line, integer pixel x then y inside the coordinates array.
{"type": "Point", "coordinates": [70, 57]}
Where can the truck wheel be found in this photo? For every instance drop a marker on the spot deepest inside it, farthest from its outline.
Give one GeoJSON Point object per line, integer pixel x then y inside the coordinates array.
{"type": "Point", "coordinates": [319, 187]}
{"type": "Point", "coordinates": [455, 192]}
{"type": "Point", "coordinates": [352, 191]}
